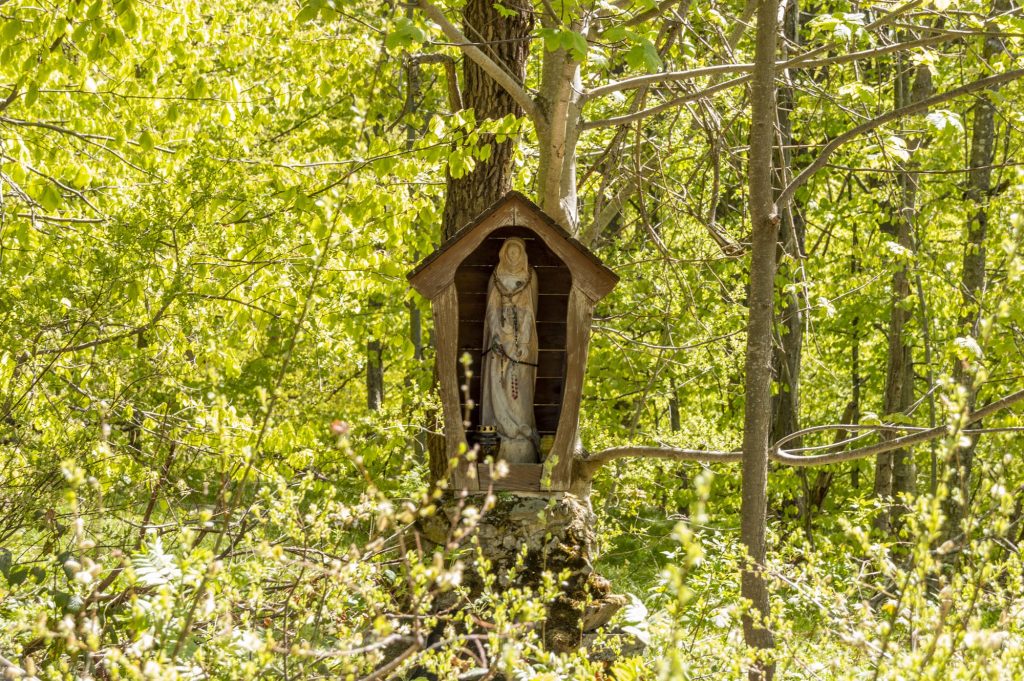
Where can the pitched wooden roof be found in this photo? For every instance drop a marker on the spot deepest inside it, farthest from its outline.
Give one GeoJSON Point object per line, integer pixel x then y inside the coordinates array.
{"type": "Point", "coordinates": [437, 270]}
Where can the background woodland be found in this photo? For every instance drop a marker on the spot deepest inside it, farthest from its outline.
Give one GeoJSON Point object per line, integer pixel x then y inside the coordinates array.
{"type": "Point", "coordinates": [216, 388]}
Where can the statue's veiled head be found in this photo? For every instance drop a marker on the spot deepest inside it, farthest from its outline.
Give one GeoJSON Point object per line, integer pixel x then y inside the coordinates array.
{"type": "Point", "coordinates": [512, 257]}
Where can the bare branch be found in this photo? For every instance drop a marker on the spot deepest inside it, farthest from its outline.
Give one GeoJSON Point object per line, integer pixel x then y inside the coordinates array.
{"type": "Point", "coordinates": [595, 461]}
{"type": "Point", "coordinates": [110, 339]}
{"type": "Point", "coordinates": [672, 76]}
{"type": "Point", "coordinates": [630, 118]}
{"type": "Point", "coordinates": [490, 67]}
{"type": "Point", "coordinates": [922, 105]}
{"type": "Point", "coordinates": [650, 14]}
{"type": "Point", "coordinates": [898, 443]}
{"type": "Point", "coordinates": [804, 61]}
{"type": "Point", "coordinates": [15, 90]}
{"type": "Point", "coordinates": [57, 219]}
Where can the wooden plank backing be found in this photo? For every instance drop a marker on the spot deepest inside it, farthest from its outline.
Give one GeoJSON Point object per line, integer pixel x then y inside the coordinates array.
{"type": "Point", "coordinates": [550, 335]}
{"type": "Point", "coordinates": [550, 308]}
{"type": "Point", "coordinates": [537, 251]}
{"type": "Point", "coordinates": [474, 279]}
{"type": "Point", "coordinates": [550, 362]}
{"type": "Point", "coordinates": [546, 415]}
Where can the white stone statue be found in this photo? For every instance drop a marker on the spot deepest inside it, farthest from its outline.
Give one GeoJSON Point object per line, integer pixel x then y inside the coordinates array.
{"type": "Point", "coordinates": [510, 354]}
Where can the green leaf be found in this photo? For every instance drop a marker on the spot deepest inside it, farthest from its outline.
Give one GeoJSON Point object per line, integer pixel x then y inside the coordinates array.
{"type": "Point", "coordinates": [308, 13]}
{"type": "Point", "coordinates": [406, 34]}
{"type": "Point", "coordinates": [81, 32]}
{"type": "Point", "coordinates": [644, 56]}
{"type": "Point", "coordinates": [17, 575]}
{"type": "Point", "coordinates": [551, 38]}
{"type": "Point", "coordinates": [129, 21]}
{"type": "Point", "coordinates": [10, 30]}
{"type": "Point", "coordinates": [574, 43]}
{"type": "Point", "coordinates": [51, 198]}
{"type": "Point", "coordinates": [616, 33]}
{"type": "Point", "coordinates": [82, 177]}
{"type": "Point", "coordinates": [31, 93]}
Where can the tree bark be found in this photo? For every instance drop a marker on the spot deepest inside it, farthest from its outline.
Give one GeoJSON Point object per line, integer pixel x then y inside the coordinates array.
{"type": "Point", "coordinates": [786, 362]}
{"type": "Point", "coordinates": [374, 367]}
{"type": "Point", "coordinates": [561, 101]}
{"type": "Point", "coordinates": [786, 402]}
{"type": "Point", "coordinates": [961, 461]}
{"type": "Point", "coordinates": [505, 38]}
{"type": "Point", "coordinates": [764, 221]}
{"type": "Point", "coordinates": [895, 472]}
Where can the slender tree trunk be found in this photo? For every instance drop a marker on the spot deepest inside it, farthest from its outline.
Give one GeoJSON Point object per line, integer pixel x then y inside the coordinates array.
{"type": "Point", "coordinates": [895, 473]}
{"type": "Point", "coordinates": [374, 367]}
{"type": "Point", "coordinates": [374, 376]}
{"type": "Point", "coordinates": [786, 403]}
{"type": "Point", "coordinates": [855, 379]}
{"type": "Point", "coordinates": [979, 190]}
{"type": "Point", "coordinates": [787, 360]}
{"type": "Point", "coordinates": [561, 87]}
{"type": "Point", "coordinates": [764, 221]}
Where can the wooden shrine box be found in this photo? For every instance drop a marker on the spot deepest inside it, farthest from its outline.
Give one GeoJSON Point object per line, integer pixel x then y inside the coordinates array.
{"type": "Point", "coordinates": [571, 280]}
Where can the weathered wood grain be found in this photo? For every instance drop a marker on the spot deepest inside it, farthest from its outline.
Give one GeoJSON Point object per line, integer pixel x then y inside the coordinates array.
{"type": "Point", "coordinates": [550, 335]}
{"type": "Point", "coordinates": [581, 308]}
{"type": "Point", "coordinates": [521, 477]}
{"type": "Point", "coordinates": [473, 307]}
{"type": "Point", "coordinates": [446, 306]}
{"type": "Point", "coordinates": [438, 270]}
{"type": "Point", "coordinates": [551, 362]}
{"type": "Point", "coordinates": [553, 280]}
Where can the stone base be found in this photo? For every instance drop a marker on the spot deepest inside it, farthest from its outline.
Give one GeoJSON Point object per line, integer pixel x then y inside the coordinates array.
{"type": "Point", "coordinates": [558, 535]}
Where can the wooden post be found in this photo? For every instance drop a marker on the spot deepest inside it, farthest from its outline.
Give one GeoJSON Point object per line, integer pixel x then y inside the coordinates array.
{"type": "Point", "coordinates": [558, 467]}
{"type": "Point", "coordinates": [446, 316]}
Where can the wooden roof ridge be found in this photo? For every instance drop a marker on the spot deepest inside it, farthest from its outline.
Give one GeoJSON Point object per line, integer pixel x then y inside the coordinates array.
{"type": "Point", "coordinates": [532, 207]}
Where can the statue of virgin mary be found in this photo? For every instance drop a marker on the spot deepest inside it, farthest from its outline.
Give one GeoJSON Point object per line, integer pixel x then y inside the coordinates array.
{"type": "Point", "coordinates": [510, 354]}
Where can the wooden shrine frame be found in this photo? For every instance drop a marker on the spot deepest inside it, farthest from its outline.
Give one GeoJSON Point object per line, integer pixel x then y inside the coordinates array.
{"type": "Point", "coordinates": [435, 279]}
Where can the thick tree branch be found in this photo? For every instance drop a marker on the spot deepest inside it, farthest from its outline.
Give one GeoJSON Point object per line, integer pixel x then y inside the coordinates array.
{"type": "Point", "coordinates": [597, 460]}
{"type": "Point", "coordinates": [492, 68]}
{"type": "Point", "coordinates": [909, 110]}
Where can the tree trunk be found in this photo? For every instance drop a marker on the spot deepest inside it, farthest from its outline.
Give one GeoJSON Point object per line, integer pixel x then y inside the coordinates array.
{"type": "Point", "coordinates": [764, 222]}
{"type": "Point", "coordinates": [786, 402]}
{"type": "Point", "coordinates": [786, 362]}
{"type": "Point", "coordinates": [374, 367]}
{"type": "Point", "coordinates": [505, 38]}
{"type": "Point", "coordinates": [895, 473]}
{"type": "Point", "coordinates": [979, 190]}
